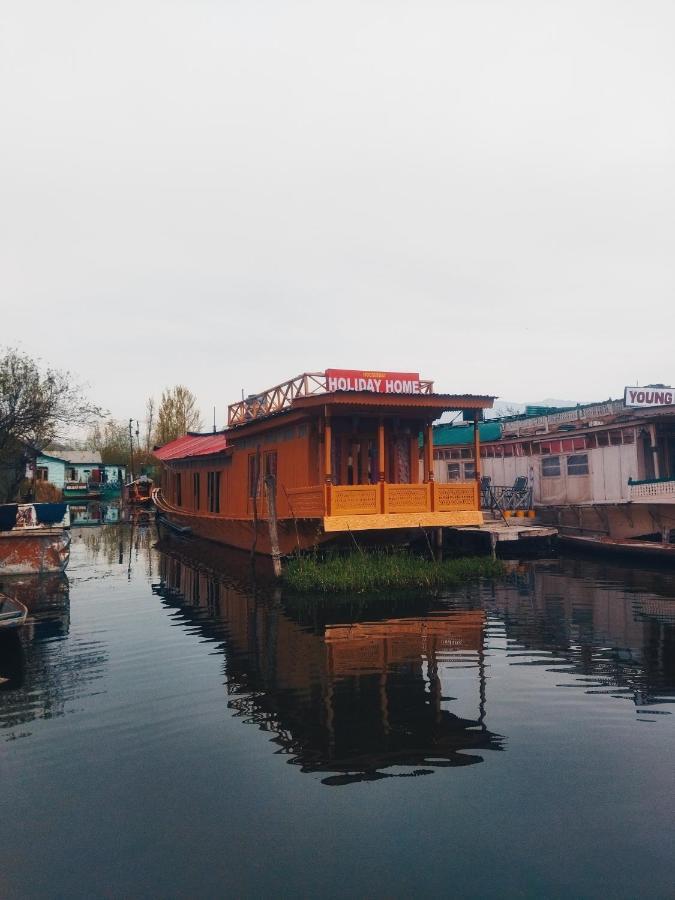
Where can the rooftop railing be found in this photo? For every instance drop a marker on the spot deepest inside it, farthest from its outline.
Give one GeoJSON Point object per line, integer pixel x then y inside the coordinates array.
{"type": "Point", "coordinates": [257, 406]}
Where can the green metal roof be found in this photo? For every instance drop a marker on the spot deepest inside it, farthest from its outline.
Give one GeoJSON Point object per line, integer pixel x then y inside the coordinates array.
{"type": "Point", "coordinates": [457, 435]}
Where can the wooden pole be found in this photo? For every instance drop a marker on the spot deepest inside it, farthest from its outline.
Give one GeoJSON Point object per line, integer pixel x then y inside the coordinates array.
{"type": "Point", "coordinates": [256, 483]}
{"type": "Point", "coordinates": [270, 491]}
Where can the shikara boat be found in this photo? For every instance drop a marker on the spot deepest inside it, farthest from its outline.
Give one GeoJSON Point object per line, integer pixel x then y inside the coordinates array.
{"type": "Point", "coordinates": [12, 612]}
{"type": "Point", "coordinates": [325, 455]}
{"type": "Point", "coordinates": [138, 492]}
{"type": "Point", "coordinates": [34, 538]}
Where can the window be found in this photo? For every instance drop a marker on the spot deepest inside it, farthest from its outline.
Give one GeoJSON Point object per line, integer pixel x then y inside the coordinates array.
{"type": "Point", "coordinates": [195, 489]}
{"type": "Point", "coordinates": [615, 438]}
{"type": "Point", "coordinates": [603, 439]}
{"type": "Point", "coordinates": [453, 471]}
{"type": "Point", "coordinates": [628, 436]}
{"type": "Point", "coordinates": [213, 491]}
{"type": "Point", "coordinates": [469, 471]}
{"type": "Point", "coordinates": [578, 464]}
{"type": "Point", "coordinates": [42, 473]}
{"type": "Point", "coordinates": [179, 493]}
{"type": "Point", "coordinates": [253, 476]}
{"type": "Point", "coordinates": [550, 467]}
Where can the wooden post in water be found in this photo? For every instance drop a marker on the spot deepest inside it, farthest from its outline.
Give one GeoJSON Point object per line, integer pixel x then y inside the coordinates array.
{"type": "Point", "coordinates": [270, 491]}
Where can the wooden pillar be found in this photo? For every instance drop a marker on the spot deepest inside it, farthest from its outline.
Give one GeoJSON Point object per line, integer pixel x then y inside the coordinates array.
{"type": "Point", "coordinates": [327, 460]}
{"type": "Point", "coordinates": [381, 463]}
{"type": "Point", "coordinates": [429, 453]}
{"type": "Point", "coordinates": [476, 446]}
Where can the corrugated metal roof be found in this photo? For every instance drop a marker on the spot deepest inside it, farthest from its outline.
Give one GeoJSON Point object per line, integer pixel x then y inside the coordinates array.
{"type": "Point", "coordinates": [455, 435]}
{"type": "Point", "coordinates": [192, 445]}
{"type": "Point", "coordinates": [76, 457]}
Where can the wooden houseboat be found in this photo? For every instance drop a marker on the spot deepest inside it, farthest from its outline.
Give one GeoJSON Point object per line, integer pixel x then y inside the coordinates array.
{"type": "Point", "coordinates": [345, 451]}
{"type": "Point", "coordinates": [602, 473]}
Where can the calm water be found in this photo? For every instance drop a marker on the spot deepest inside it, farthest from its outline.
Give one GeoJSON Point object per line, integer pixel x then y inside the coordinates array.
{"type": "Point", "coordinates": [168, 730]}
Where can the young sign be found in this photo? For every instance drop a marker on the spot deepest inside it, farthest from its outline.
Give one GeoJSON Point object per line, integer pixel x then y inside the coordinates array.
{"type": "Point", "coordinates": [649, 396]}
{"type": "Point", "coordinates": [377, 382]}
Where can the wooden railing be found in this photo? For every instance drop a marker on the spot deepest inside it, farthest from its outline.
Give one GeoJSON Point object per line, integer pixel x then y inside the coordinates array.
{"type": "Point", "coordinates": [321, 500]}
{"type": "Point", "coordinates": [661, 490]}
{"type": "Point", "coordinates": [256, 406]}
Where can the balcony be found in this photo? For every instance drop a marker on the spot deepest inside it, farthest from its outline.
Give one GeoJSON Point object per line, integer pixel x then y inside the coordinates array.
{"type": "Point", "coordinates": [652, 490]}
{"type": "Point", "coordinates": [361, 507]}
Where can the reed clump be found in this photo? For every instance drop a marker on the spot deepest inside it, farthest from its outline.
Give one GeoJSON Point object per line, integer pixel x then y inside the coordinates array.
{"type": "Point", "coordinates": [374, 571]}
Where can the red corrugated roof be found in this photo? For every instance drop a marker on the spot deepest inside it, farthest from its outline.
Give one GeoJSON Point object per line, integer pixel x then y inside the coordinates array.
{"type": "Point", "coordinates": [192, 445]}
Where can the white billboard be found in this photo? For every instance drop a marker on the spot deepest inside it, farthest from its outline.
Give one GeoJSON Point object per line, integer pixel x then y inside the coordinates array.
{"type": "Point", "coordinates": [649, 396]}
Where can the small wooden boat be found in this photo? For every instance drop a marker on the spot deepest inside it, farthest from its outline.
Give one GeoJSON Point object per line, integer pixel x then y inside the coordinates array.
{"type": "Point", "coordinates": [34, 538]}
{"type": "Point", "coordinates": [12, 612]}
{"type": "Point", "coordinates": [626, 547]}
{"type": "Point", "coordinates": [138, 492]}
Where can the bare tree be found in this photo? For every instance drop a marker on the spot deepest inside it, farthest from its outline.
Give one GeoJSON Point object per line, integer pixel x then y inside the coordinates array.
{"type": "Point", "coordinates": [177, 414]}
{"type": "Point", "coordinates": [149, 423]}
{"type": "Point", "coordinates": [36, 405]}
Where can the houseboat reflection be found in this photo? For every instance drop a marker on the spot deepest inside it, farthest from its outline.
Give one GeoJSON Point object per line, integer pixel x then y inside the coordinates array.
{"type": "Point", "coordinates": [353, 699]}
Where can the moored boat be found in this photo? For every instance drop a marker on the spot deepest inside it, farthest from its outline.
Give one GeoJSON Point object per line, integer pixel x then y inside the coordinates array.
{"type": "Point", "coordinates": [12, 612]}
{"type": "Point", "coordinates": [322, 456]}
{"type": "Point", "coordinates": [34, 538]}
{"type": "Point", "coordinates": [138, 492]}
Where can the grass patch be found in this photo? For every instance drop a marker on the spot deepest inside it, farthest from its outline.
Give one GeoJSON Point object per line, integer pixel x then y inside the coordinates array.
{"type": "Point", "coordinates": [380, 570]}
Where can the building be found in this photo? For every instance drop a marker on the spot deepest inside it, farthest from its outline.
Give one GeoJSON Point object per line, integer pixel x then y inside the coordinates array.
{"type": "Point", "coordinates": [603, 469]}
{"type": "Point", "coordinates": [62, 467]}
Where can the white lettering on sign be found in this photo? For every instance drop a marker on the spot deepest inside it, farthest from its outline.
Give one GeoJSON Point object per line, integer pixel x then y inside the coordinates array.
{"type": "Point", "coordinates": [649, 396]}
{"type": "Point", "coordinates": [375, 382]}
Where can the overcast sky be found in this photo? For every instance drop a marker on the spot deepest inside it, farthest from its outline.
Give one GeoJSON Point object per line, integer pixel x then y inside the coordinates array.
{"type": "Point", "coordinates": [226, 194]}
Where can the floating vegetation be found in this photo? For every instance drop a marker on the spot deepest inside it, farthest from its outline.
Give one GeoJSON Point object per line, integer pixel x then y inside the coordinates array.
{"type": "Point", "coordinates": [381, 570]}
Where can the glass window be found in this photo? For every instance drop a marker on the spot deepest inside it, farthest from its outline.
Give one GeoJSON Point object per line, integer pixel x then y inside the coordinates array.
{"type": "Point", "coordinates": [603, 439]}
{"type": "Point", "coordinates": [453, 471]}
{"type": "Point", "coordinates": [195, 489]}
{"type": "Point", "coordinates": [628, 436]}
{"type": "Point", "coordinates": [469, 471]}
{"type": "Point", "coordinates": [577, 464]}
{"type": "Point", "coordinates": [615, 438]}
{"type": "Point", "coordinates": [550, 467]}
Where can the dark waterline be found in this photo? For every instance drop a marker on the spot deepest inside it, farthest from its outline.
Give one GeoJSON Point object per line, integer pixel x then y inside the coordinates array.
{"type": "Point", "coordinates": [169, 729]}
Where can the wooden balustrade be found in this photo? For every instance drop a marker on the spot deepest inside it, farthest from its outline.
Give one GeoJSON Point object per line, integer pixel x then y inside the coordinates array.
{"type": "Point", "coordinates": [376, 499]}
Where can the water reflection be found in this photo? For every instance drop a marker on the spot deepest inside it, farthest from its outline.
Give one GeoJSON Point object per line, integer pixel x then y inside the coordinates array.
{"type": "Point", "coordinates": [612, 626]}
{"type": "Point", "coordinates": [342, 696]}
{"type": "Point", "coordinates": [358, 688]}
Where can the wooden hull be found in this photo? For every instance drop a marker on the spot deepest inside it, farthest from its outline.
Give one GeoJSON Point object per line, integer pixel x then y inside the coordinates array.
{"type": "Point", "coordinates": [303, 533]}
{"type": "Point", "coordinates": [28, 551]}
{"type": "Point", "coordinates": [12, 612]}
{"type": "Point", "coordinates": [644, 549]}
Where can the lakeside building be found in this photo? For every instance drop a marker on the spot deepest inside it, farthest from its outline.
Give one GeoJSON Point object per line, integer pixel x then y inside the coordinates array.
{"type": "Point", "coordinates": [601, 469]}
{"type": "Point", "coordinates": [343, 448]}
{"type": "Point", "coordinates": [71, 467]}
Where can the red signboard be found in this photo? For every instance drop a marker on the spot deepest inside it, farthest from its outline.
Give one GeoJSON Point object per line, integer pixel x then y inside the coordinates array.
{"type": "Point", "coordinates": [377, 382]}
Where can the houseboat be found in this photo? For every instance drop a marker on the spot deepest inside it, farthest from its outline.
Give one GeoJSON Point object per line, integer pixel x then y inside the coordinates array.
{"type": "Point", "coordinates": [602, 473]}
{"type": "Point", "coordinates": [326, 454]}
{"type": "Point", "coordinates": [34, 538]}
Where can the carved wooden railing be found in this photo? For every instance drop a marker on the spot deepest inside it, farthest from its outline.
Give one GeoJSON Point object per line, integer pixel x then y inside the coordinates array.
{"type": "Point", "coordinates": [282, 396]}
